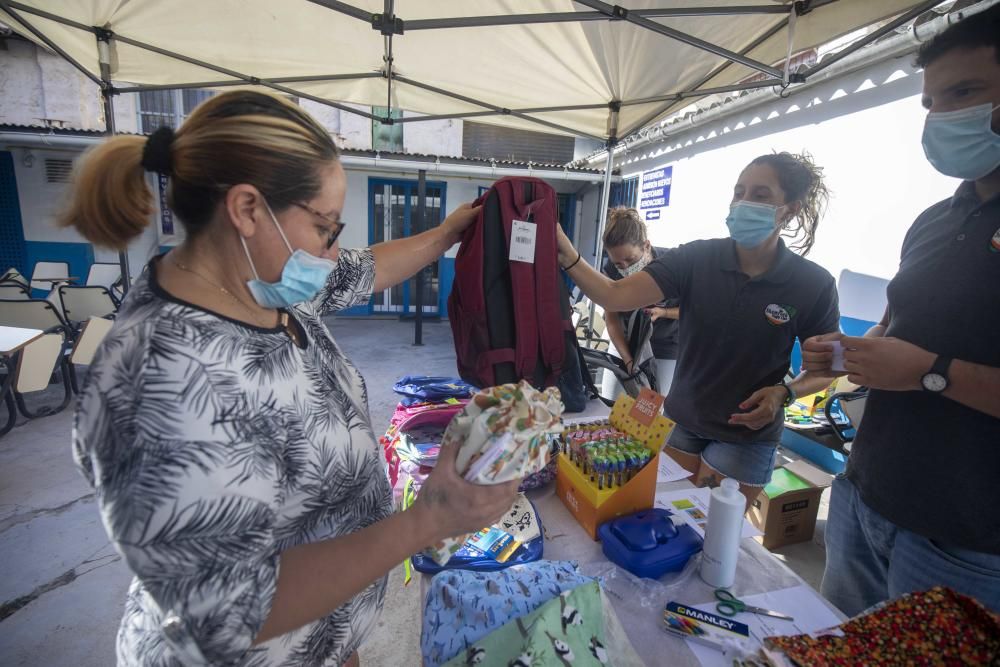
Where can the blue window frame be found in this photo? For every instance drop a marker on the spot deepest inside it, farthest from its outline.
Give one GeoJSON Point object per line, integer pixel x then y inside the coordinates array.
{"type": "Point", "coordinates": [392, 209]}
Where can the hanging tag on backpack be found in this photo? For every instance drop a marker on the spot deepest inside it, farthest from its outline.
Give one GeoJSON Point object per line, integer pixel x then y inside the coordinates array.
{"type": "Point", "coordinates": [522, 241]}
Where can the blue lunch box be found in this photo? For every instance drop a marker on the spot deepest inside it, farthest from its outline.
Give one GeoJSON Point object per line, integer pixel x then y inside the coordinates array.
{"type": "Point", "coordinates": [648, 544]}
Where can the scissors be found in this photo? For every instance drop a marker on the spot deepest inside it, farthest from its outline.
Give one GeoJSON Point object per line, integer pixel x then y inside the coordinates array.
{"type": "Point", "coordinates": [730, 605]}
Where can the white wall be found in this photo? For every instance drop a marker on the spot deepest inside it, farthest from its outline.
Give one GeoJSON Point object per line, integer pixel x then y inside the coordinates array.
{"type": "Point", "coordinates": [432, 137]}
{"type": "Point", "coordinates": [39, 88]}
{"type": "Point", "coordinates": [864, 130]}
{"type": "Point", "coordinates": [41, 201]}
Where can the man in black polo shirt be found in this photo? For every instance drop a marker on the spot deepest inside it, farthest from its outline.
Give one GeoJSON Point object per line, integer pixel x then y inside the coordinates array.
{"type": "Point", "coordinates": [920, 503]}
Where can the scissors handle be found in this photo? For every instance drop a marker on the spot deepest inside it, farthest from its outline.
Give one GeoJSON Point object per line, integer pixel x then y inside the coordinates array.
{"type": "Point", "coordinates": [730, 608]}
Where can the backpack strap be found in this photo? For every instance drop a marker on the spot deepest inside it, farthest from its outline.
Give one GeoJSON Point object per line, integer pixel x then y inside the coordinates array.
{"type": "Point", "coordinates": [523, 285]}
{"type": "Point", "coordinates": [548, 291]}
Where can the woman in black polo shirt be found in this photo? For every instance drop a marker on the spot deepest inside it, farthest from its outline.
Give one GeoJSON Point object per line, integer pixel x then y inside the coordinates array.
{"type": "Point", "coordinates": [745, 300]}
{"type": "Point", "coordinates": [629, 251]}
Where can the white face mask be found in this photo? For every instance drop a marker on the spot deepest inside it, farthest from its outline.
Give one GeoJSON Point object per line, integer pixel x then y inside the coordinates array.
{"type": "Point", "coordinates": [636, 266]}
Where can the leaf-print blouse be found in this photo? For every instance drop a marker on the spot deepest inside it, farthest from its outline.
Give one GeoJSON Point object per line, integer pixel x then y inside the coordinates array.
{"type": "Point", "coordinates": [214, 445]}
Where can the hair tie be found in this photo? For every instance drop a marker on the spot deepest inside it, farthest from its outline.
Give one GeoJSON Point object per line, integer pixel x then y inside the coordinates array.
{"type": "Point", "coordinates": [156, 152]}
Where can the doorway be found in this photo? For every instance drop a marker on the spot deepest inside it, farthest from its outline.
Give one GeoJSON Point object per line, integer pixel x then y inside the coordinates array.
{"type": "Point", "coordinates": [392, 207]}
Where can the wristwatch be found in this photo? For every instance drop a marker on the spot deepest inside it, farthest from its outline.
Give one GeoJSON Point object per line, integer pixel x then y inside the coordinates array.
{"type": "Point", "coordinates": [936, 379]}
{"type": "Point", "coordinates": [791, 393]}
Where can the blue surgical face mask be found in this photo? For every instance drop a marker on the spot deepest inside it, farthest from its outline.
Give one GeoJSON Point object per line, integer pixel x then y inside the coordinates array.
{"type": "Point", "coordinates": [750, 223]}
{"type": "Point", "coordinates": [962, 143]}
{"type": "Point", "coordinates": [302, 277]}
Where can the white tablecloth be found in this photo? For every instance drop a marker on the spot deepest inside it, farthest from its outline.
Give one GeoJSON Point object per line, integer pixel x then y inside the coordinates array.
{"type": "Point", "coordinates": [639, 602]}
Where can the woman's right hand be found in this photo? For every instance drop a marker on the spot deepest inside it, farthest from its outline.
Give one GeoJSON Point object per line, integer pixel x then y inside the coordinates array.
{"type": "Point", "coordinates": [448, 505]}
{"type": "Point", "coordinates": [567, 253]}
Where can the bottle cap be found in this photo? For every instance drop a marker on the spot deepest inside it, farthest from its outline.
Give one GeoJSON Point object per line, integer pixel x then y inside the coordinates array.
{"type": "Point", "coordinates": [730, 484]}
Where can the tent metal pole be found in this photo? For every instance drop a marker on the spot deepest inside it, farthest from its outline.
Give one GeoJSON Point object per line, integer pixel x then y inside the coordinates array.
{"type": "Point", "coordinates": [570, 17]}
{"type": "Point", "coordinates": [108, 97]}
{"type": "Point", "coordinates": [906, 17]}
{"type": "Point", "coordinates": [344, 8]}
{"type": "Point", "coordinates": [683, 95]}
{"type": "Point", "coordinates": [9, 8]}
{"type": "Point", "coordinates": [389, 18]}
{"type": "Point", "coordinates": [476, 114]}
{"type": "Point", "coordinates": [418, 321]}
{"type": "Point", "coordinates": [500, 110]}
{"type": "Point", "coordinates": [241, 82]}
{"type": "Point", "coordinates": [711, 75]}
{"type": "Point", "coordinates": [690, 40]}
{"type": "Point", "coordinates": [601, 222]}
{"type": "Point", "coordinates": [253, 80]}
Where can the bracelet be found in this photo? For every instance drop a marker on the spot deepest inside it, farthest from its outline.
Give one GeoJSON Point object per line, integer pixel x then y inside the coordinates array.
{"type": "Point", "coordinates": [575, 262]}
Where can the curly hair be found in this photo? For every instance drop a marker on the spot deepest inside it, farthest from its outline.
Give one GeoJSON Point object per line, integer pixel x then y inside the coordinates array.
{"type": "Point", "coordinates": [802, 181]}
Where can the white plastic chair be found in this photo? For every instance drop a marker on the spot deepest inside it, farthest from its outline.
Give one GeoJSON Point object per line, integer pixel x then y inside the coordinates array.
{"type": "Point", "coordinates": [14, 291]}
{"type": "Point", "coordinates": [104, 274]}
{"type": "Point", "coordinates": [12, 275]}
{"type": "Point", "coordinates": [46, 272]}
{"type": "Point", "coordinates": [39, 314]}
{"type": "Point", "coordinates": [80, 303]}
{"type": "Point", "coordinates": [89, 339]}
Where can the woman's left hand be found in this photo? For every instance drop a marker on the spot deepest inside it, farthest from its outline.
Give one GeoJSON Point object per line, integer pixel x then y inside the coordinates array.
{"type": "Point", "coordinates": [458, 221]}
{"type": "Point", "coordinates": [888, 363]}
{"type": "Point", "coordinates": [765, 402]}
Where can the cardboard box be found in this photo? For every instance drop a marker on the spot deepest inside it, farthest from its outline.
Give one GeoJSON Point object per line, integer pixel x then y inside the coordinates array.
{"type": "Point", "coordinates": [592, 507]}
{"type": "Point", "coordinates": [785, 511]}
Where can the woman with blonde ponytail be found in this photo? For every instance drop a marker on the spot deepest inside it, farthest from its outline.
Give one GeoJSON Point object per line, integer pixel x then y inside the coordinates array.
{"type": "Point", "coordinates": [226, 435]}
{"type": "Point", "coordinates": [744, 300]}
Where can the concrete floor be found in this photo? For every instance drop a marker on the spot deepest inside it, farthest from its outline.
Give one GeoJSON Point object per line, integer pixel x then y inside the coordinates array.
{"type": "Point", "coordinates": [62, 584]}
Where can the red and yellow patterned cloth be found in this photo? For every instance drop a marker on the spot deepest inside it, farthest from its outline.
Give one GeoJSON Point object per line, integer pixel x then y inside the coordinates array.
{"type": "Point", "coordinates": [935, 627]}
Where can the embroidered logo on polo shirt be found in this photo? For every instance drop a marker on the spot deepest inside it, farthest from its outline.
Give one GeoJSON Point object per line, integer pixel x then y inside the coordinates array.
{"type": "Point", "coordinates": [995, 242]}
{"type": "Point", "coordinates": [778, 315]}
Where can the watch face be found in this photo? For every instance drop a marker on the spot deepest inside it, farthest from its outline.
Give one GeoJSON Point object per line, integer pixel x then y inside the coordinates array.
{"type": "Point", "coordinates": [934, 382]}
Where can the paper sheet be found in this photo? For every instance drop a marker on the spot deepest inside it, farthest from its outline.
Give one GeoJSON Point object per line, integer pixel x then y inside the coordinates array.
{"type": "Point", "coordinates": [692, 506]}
{"type": "Point", "coordinates": [802, 603]}
{"type": "Point", "coordinates": [670, 470]}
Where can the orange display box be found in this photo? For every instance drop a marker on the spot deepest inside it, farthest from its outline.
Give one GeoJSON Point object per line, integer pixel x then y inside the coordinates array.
{"type": "Point", "coordinates": [591, 506]}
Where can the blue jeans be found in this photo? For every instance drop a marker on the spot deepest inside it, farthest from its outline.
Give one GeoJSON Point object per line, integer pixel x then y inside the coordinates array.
{"type": "Point", "coordinates": [869, 559]}
{"type": "Point", "coordinates": [749, 463]}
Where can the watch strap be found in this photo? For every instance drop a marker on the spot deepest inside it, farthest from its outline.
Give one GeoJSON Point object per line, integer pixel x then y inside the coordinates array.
{"type": "Point", "coordinates": [941, 366]}
{"type": "Point", "coordinates": [790, 398]}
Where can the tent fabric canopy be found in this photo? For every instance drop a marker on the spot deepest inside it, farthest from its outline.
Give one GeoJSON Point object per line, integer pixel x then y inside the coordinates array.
{"type": "Point", "coordinates": [440, 65]}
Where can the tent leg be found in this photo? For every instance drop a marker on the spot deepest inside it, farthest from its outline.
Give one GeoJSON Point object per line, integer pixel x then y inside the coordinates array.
{"type": "Point", "coordinates": [602, 221]}
{"type": "Point", "coordinates": [107, 96]}
{"type": "Point", "coordinates": [420, 226]}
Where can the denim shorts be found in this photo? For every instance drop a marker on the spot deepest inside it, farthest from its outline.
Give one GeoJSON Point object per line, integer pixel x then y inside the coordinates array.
{"type": "Point", "coordinates": [749, 463]}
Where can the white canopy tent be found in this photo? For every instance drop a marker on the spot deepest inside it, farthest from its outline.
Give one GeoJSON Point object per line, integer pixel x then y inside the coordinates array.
{"type": "Point", "coordinates": [584, 67]}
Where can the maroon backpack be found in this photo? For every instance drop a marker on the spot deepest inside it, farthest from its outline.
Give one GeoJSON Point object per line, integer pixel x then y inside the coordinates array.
{"type": "Point", "coordinates": [511, 319]}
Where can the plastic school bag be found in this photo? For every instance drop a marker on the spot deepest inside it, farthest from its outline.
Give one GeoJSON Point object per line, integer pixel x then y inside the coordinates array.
{"type": "Point", "coordinates": [418, 439]}
{"type": "Point", "coordinates": [434, 389]}
{"type": "Point", "coordinates": [518, 536]}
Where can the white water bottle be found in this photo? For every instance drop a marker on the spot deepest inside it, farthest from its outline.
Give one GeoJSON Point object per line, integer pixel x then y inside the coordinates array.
{"type": "Point", "coordinates": [722, 534]}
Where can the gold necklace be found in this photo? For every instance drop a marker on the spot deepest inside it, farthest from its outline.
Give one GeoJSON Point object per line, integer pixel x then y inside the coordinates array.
{"type": "Point", "coordinates": [283, 319]}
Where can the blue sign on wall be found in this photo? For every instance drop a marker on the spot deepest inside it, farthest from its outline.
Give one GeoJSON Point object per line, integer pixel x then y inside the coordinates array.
{"type": "Point", "coordinates": [654, 192]}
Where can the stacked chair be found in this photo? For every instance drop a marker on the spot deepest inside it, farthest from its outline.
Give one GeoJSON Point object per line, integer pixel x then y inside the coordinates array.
{"type": "Point", "coordinates": [73, 321]}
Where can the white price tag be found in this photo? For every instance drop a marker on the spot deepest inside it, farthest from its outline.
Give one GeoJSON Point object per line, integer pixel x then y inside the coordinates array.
{"type": "Point", "coordinates": [522, 241]}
